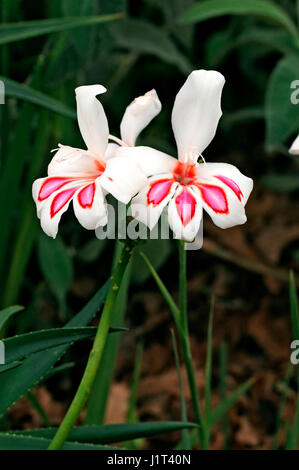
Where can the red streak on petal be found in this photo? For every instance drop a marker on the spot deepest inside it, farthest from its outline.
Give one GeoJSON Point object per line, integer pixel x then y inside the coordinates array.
{"type": "Point", "coordinates": [215, 197]}
{"type": "Point", "coordinates": [86, 196]}
{"type": "Point", "coordinates": [50, 185]}
{"type": "Point", "coordinates": [158, 191]}
{"type": "Point", "coordinates": [232, 185]}
{"type": "Point", "coordinates": [61, 199]}
{"type": "Point", "coordinates": [185, 204]}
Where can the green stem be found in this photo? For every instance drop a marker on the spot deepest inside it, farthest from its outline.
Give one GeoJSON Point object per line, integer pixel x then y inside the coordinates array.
{"type": "Point", "coordinates": [97, 402]}
{"type": "Point", "coordinates": [187, 356]}
{"type": "Point", "coordinates": [95, 354]}
{"type": "Point", "coordinates": [186, 351]}
{"type": "Point", "coordinates": [185, 433]}
{"type": "Point", "coordinates": [185, 343]}
{"type": "Point", "coordinates": [183, 286]}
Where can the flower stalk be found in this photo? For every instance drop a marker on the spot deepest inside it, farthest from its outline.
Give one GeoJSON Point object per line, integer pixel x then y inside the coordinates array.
{"type": "Point", "coordinates": [185, 343]}
{"type": "Point", "coordinates": [181, 322]}
{"type": "Point", "coordinates": [96, 353]}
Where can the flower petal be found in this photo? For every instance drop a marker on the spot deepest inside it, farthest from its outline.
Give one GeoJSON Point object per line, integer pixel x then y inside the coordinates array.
{"type": "Point", "coordinates": [149, 203]}
{"type": "Point", "coordinates": [185, 213]}
{"type": "Point", "coordinates": [92, 119]}
{"type": "Point", "coordinates": [44, 189]}
{"type": "Point", "coordinates": [152, 161]}
{"type": "Point", "coordinates": [69, 161]}
{"type": "Point", "coordinates": [90, 206]}
{"type": "Point", "coordinates": [196, 112]}
{"type": "Point", "coordinates": [294, 149]}
{"type": "Point", "coordinates": [49, 186]}
{"type": "Point", "coordinates": [222, 204]}
{"type": "Point", "coordinates": [138, 115]}
{"type": "Point", "coordinates": [51, 209]}
{"type": "Point", "coordinates": [111, 150]}
{"type": "Point", "coordinates": [123, 178]}
{"type": "Point", "coordinates": [54, 194]}
{"type": "Point", "coordinates": [228, 176]}
{"type": "Point", "coordinates": [215, 198]}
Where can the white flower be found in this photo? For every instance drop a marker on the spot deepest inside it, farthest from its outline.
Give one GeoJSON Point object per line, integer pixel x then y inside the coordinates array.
{"type": "Point", "coordinates": [85, 176]}
{"type": "Point", "coordinates": [136, 117]}
{"type": "Point", "coordinates": [184, 185]}
{"type": "Point", "coordinates": [294, 149]}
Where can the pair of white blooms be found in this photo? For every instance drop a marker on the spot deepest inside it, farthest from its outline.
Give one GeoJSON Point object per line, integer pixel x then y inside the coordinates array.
{"type": "Point", "coordinates": [150, 179]}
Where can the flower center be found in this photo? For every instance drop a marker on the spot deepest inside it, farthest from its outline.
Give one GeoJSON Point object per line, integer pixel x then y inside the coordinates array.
{"type": "Point", "coordinates": [184, 173]}
{"type": "Point", "coordinates": [100, 166]}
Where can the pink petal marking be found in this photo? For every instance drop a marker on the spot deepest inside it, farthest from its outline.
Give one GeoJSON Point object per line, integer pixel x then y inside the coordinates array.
{"type": "Point", "coordinates": [215, 197]}
{"type": "Point", "coordinates": [50, 185]}
{"type": "Point", "coordinates": [232, 185]}
{"type": "Point", "coordinates": [61, 199]}
{"type": "Point", "coordinates": [185, 203]}
{"type": "Point", "coordinates": [86, 196]}
{"type": "Point", "coordinates": [158, 191]}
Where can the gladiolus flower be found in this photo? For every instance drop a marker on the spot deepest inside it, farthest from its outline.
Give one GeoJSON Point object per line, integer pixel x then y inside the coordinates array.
{"type": "Point", "coordinates": [136, 117]}
{"type": "Point", "coordinates": [182, 184]}
{"type": "Point", "coordinates": [85, 176]}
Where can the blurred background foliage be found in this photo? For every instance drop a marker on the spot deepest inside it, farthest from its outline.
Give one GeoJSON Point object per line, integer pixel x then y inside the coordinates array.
{"type": "Point", "coordinates": [151, 44]}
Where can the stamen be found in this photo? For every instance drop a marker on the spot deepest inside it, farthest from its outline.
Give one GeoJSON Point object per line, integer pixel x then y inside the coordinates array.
{"type": "Point", "coordinates": [201, 156]}
{"type": "Point", "coordinates": [118, 141]}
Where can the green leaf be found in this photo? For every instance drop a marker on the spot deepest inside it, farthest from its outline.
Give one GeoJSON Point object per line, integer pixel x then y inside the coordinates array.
{"type": "Point", "coordinates": [17, 347]}
{"type": "Point", "coordinates": [91, 250]}
{"type": "Point", "coordinates": [55, 264]}
{"type": "Point", "coordinates": [285, 388]}
{"type": "Point", "coordinates": [7, 313]}
{"type": "Point", "coordinates": [157, 252]}
{"type": "Point", "coordinates": [17, 381]}
{"type": "Point", "coordinates": [186, 444]}
{"type": "Point", "coordinates": [20, 346]}
{"type": "Point", "coordinates": [271, 37]}
{"type": "Point", "coordinates": [281, 182]}
{"type": "Point", "coordinates": [12, 365]}
{"type": "Point", "coordinates": [263, 9]}
{"type": "Point", "coordinates": [81, 38]}
{"type": "Point", "coordinates": [238, 116]}
{"type": "Point", "coordinates": [145, 38]}
{"type": "Point", "coordinates": [59, 369]}
{"type": "Point", "coordinates": [282, 117]}
{"type": "Point", "coordinates": [24, 92]}
{"type": "Point", "coordinates": [110, 433]}
{"type": "Point", "coordinates": [19, 442]}
{"type": "Point", "coordinates": [27, 222]}
{"type": "Point", "coordinates": [165, 292]}
{"type": "Point", "coordinates": [172, 9]}
{"type": "Point", "coordinates": [223, 42]}
{"type": "Point", "coordinates": [221, 409]}
{"type": "Point", "coordinates": [10, 32]}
